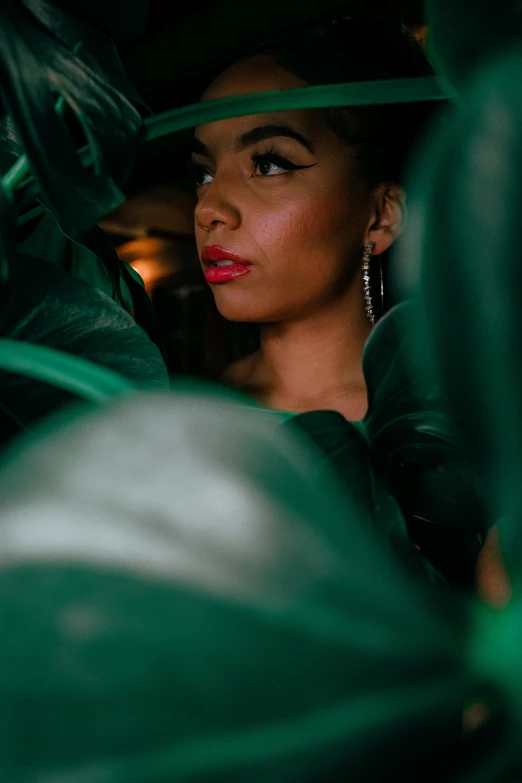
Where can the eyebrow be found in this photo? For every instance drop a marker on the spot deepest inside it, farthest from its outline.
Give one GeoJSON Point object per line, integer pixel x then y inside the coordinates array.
{"type": "Point", "coordinates": [254, 136]}
{"type": "Point", "coordinates": [263, 132]}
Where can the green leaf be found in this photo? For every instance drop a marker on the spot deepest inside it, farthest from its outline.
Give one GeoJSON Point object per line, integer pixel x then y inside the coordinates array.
{"type": "Point", "coordinates": [44, 309]}
{"type": "Point", "coordinates": [93, 259]}
{"type": "Point", "coordinates": [411, 431]}
{"type": "Point", "coordinates": [74, 374]}
{"type": "Point", "coordinates": [388, 91]}
{"type": "Point", "coordinates": [185, 597]}
{"type": "Point", "coordinates": [345, 450]}
{"type": "Point", "coordinates": [465, 198]}
{"type": "Point", "coordinates": [37, 64]}
{"type": "Point", "coordinates": [47, 241]}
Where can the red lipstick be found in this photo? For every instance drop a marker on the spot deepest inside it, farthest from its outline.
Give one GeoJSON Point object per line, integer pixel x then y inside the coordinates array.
{"type": "Point", "coordinates": [221, 265]}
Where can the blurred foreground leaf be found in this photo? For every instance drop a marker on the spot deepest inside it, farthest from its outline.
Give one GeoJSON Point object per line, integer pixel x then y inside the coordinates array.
{"type": "Point", "coordinates": [465, 203]}
{"type": "Point", "coordinates": [186, 597]}
{"type": "Point", "coordinates": [466, 33]}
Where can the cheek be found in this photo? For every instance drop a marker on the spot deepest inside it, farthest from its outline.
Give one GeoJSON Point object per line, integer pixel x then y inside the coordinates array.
{"type": "Point", "coordinates": [288, 228]}
{"type": "Point", "coordinates": [304, 244]}
{"type": "Point", "coordinates": [310, 241]}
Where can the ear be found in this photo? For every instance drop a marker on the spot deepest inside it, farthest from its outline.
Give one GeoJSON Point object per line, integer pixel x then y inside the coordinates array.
{"type": "Point", "coordinates": [388, 217]}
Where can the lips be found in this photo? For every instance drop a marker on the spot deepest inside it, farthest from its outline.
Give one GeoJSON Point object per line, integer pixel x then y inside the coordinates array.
{"type": "Point", "coordinates": [221, 265]}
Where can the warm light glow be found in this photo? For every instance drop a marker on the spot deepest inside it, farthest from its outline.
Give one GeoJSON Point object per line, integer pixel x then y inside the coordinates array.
{"type": "Point", "coordinates": [157, 260]}
{"type": "Point", "coordinates": [145, 267]}
{"type": "Point", "coordinates": [420, 33]}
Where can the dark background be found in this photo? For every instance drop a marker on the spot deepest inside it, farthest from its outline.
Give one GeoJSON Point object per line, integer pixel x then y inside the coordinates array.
{"type": "Point", "coordinates": [181, 40]}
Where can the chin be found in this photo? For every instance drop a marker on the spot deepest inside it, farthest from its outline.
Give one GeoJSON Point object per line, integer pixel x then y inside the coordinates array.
{"type": "Point", "coordinates": [241, 309]}
{"type": "Point", "coordinates": [240, 316]}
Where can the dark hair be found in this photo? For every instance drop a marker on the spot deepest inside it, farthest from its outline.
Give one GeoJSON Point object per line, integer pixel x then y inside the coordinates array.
{"type": "Point", "coordinates": [351, 49]}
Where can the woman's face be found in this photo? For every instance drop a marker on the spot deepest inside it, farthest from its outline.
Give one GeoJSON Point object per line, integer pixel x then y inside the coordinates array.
{"type": "Point", "coordinates": [281, 192]}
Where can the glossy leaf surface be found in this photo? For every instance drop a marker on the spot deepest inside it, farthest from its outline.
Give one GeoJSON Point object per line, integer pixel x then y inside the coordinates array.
{"type": "Point", "coordinates": [37, 64]}
{"type": "Point", "coordinates": [191, 599]}
{"type": "Point", "coordinates": [465, 206]}
{"type": "Point", "coordinates": [410, 428]}
{"type": "Point", "coordinates": [45, 306]}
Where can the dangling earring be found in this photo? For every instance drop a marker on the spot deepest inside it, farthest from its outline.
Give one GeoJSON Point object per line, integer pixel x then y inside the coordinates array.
{"type": "Point", "coordinates": [370, 312]}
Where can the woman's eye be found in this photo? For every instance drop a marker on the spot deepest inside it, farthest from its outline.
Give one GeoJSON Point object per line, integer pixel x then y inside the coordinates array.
{"type": "Point", "coordinates": [268, 168]}
{"type": "Point", "coordinates": [203, 179]}
{"type": "Point", "coordinates": [272, 163]}
{"type": "Point", "coordinates": [200, 176]}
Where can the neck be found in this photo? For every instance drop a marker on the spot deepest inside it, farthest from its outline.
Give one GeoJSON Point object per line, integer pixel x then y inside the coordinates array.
{"type": "Point", "coordinates": [316, 361]}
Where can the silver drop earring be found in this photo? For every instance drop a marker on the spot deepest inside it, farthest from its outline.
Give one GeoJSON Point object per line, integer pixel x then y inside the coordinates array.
{"type": "Point", "coordinates": [368, 250]}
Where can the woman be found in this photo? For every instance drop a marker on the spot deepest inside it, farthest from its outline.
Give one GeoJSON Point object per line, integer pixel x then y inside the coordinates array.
{"type": "Point", "coordinates": [292, 204]}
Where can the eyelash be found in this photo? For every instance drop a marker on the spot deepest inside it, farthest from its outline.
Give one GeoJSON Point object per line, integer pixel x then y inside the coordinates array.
{"type": "Point", "coordinates": [274, 157]}
{"type": "Point", "coordinates": [270, 156]}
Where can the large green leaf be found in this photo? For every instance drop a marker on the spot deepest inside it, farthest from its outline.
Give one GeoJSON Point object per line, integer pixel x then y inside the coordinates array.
{"type": "Point", "coordinates": [7, 232]}
{"type": "Point", "coordinates": [388, 91]}
{"type": "Point", "coordinates": [346, 451]}
{"type": "Point", "coordinates": [465, 198]}
{"type": "Point", "coordinates": [45, 306]}
{"type": "Point", "coordinates": [465, 204]}
{"type": "Point", "coordinates": [93, 259]}
{"type": "Point", "coordinates": [47, 241]}
{"type": "Point", "coordinates": [410, 429]}
{"type": "Point", "coordinates": [38, 64]}
{"type": "Point", "coordinates": [417, 451]}
{"type": "Point", "coordinates": [74, 374]}
{"type": "Point", "coordinates": [186, 597]}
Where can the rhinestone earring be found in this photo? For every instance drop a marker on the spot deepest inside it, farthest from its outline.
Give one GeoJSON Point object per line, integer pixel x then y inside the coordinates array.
{"type": "Point", "coordinates": [368, 250]}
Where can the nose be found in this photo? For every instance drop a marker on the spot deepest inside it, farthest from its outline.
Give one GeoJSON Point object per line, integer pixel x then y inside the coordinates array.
{"type": "Point", "coordinates": [216, 208]}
